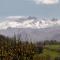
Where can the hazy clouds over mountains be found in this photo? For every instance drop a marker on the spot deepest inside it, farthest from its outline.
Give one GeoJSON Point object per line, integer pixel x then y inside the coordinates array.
{"type": "Point", "coordinates": [31, 27]}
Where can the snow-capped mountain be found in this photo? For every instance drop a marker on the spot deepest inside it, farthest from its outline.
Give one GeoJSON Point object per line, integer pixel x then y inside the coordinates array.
{"type": "Point", "coordinates": [27, 22]}
{"type": "Point", "coordinates": [32, 28]}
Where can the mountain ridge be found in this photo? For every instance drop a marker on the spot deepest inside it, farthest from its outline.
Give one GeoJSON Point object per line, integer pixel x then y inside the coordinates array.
{"type": "Point", "coordinates": [28, 22]}
{"type": "Point", "coordinates": [31, 28]}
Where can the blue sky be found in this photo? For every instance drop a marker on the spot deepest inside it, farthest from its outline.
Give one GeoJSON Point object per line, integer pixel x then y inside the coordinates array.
{"type": "Point", "coordinates": [39, 8]}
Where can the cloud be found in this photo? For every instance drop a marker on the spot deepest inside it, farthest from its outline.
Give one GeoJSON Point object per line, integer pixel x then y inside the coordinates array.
{"type": "Point", "coordinates": [50, 2]}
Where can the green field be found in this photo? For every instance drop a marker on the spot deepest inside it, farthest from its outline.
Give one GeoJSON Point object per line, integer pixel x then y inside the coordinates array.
{"type": "Point", "coordinates": [52, 51]}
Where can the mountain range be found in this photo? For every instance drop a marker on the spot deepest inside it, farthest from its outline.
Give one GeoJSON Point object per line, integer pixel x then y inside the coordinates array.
{"type": "Point", "coordinates": [30, 28]}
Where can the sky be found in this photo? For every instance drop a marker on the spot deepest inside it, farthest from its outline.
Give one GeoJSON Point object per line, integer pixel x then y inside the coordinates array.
{"type": "Point", "coordinates": [39, 8]}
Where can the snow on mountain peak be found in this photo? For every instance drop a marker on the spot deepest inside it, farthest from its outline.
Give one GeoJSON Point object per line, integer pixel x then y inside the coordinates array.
{"type": "Point", "coordinates": [27, 22]}
{"type": "Point", "coordinates": [14, 17]}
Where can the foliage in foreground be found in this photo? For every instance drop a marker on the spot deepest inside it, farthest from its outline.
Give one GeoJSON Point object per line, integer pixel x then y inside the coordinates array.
{"type": "Point", "coordinates": [16, 49]}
